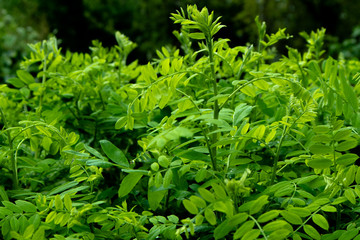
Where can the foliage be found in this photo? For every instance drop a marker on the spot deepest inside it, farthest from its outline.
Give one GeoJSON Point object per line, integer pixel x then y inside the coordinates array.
{"type": "Point", "coordinates": [210, 141]}
{"type": "Point", "coordinates": [13, 40]}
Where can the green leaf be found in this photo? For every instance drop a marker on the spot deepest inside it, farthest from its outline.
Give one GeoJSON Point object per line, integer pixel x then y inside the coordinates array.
{"type": "Point", "coordinates": [16, 82]}
{"type": "Point", "coordinates": [114, 153]}
{"type": "Point", "coordinates": [67, 202]}
{"type": "Point", "coordinates": [206, 194]}
{"type": "Point", "coordinates": [190, 206]}
{"type": "Point", "coordinates": [14, 223]}
{"type": "Point", "coordinates": [168, 178]}
{"type": "Point", "coordinates": [24, 76]}
{"type": "Point", "coordinates": [210, 216]}
{"type": "Point", "coordinates": [229, 224]}
{"type": "Point", "coordinates": [12, 207]}
{"type": "Point", "coordinates": [291, 217]}
{"type": "Point", "coordinates": [350, 195]}
{"type": "Point", "coordinates": [346, 145]}
{"type": "Point", "coordinates": [350, 234]}
{"type": "Point", "coordinates": [265, 217]}
{"type": "Point", "coordinates": [280, 234]}
{"type": "Point", "coordinates": [39, 234]}
{"type": "Point", "coordinates": [128, 183]}
{"type": "Point", "coordinates": [275, 225]}
{"type": "Point", "coordinates": [120, 123]}
{"type": "Point", "coordinates": [328, 208]}
{"type": "Point", "coordinates": [3, 194]}
{"type": "Point", "coordinates": [154, 196]}
{"type": "Point", "coordinates": [197, 36]}
{"type": "Point", "coordinates": [342, 134]}
{"type": "Point", "coordinates": [321, 221]}
{"type": "Point", "coordinates": [252, 234]}
{"type": "Point", "coordinates": [26, 206]}
{"type": "Point", "coordinates": [321, 129]}
{"type": "Point", "coordinates": [29, 231]}
{"type": "Point", "coordinates": [58, 203]}
{"type": "Point", "coordinates": [312, 232]}
{"type": "Point", "coordinates": [319, 148]}
{"type": "Point", "coordinates": [249, 90]}
{"type": "Point", "coordinates": [271, 135]}
{"type": "Point", "coordinates": [347, 159]}
{"type": "Point", "coordinates": [99, 163]}
{"type": "Point", "coordinates": [243, 229]}
{"type": "Point", "coordinates": [319, 163]}
{"type": "Point", "coordinates": [258, 204]}
{"type": "Point", "coordinates": [219, 191]}
{"type": "Point", "coordinates": [93, 151]}
{"type": "Point", "coordinates": [198, 201]}
{"type": "Point", "coordinates": [241, 111]}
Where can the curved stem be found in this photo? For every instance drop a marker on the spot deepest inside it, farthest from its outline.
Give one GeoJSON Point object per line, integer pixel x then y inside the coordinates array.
{"type": "Point", "coordinates": [214, 136]}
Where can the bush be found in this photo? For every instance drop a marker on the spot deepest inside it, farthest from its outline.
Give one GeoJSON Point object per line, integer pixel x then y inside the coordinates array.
{"type": "Point", "coordinates": [232, 142]}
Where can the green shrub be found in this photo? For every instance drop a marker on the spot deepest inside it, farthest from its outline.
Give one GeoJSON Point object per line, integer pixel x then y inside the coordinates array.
{"type": "Point", "coordinates": [233, 143]}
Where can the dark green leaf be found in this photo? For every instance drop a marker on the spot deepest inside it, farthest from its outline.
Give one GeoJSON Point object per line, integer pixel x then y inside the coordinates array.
{"type": "Point", "coordinates": [114, 153]}
{"type": "Point", "coordinates": [128, 183]}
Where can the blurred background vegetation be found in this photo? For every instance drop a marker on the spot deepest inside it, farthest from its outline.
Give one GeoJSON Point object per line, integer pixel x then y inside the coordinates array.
{"type": "Point", "coordinates": [77, 22]}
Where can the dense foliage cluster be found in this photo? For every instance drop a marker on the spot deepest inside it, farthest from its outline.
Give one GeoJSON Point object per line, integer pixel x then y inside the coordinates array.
{"type": "Point", "coordinates": [208, 141]}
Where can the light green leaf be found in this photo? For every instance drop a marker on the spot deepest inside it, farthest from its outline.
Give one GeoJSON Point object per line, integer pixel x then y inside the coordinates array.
{"type": "Point", "coordinates": [241, 111]}
{"type": "Point", "coordinates": [312, 232]}
{"type": "Point", "coordinates": [342, 134]}
{"type": "Point", "coordinates": [114, 153]}
{"type": "Point", "coordinates": [229, 224]}
{"type": "Point", "coordinates": [67, 202]}
{"type": "Point", "coordinates": [206, 194]}
{"type": "Point", "coordinates": [319, 163]}
{"type": "Point", "coordinates": [198, 201]}
{"type": "Point", "coordinates": [12, 207]}
{"type": "Point", "coordinates": [3, 194]}
{"type": "Point", "coordinates": [120, 123]}
{"type": "Point", "coordinates": [265, 217]}
{"type": "Point", "coordinates": [39, 234]}
{"type": "Point", "coordinates": [58, 203]}
{"type": "Point", "coordinates": [347, 159]}
{"type": "Point", "coordinates": [258, 204]}
{"type": "Point", "coordinates": [210, 216]}
{"type": "Point", "coordinates": [219, 191]}
{"type": "Point", "coordinates": [50, 217]}
{"type": "Point", "coordinates": [243, 229]}
{"type": "Point", "coordinates": [249, 90]}
{"type": "Point", "coordinates": [26, 206]}
{"type": "Point", "coordinates": [350, 195]}
{"type": "Point", "coordinates": [319, 148]}
{"type": "Point", "coordinates": [321, 221]}
{"type": "Point", "coordinates": [16, 82]}
{"type": "Point", "coordinates": [275, 225]}
{"type": "Point", "coordinates": [291, 217]}
{"type": "Point", "coordinates": [128, 183]}
{"type": "Point", "coordinates": [25, 76]}
{"type": "Point", "coordinates": [167, 178]}
{"type": "Point", "coordinates": [280, 234]}
{"type": "Point", "coordinates": [99, 163]}
{"type": "Point", "coordinates": [29, 231]}
{"type": "Point", "coordinates": [328, 208]}
{"type": "Point", "coordinates": [252, 234]}
{"type": "Point", "coordinates": [350, 234]}
{"type": "Point", "coordinates": [197, 35]}
{"type": "Point", "coordinates": [190, 206]}
{"type": "Point", "coordinates": [346, 145]}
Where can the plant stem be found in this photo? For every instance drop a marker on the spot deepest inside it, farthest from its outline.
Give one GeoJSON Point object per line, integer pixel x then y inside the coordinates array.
{"type": "Point", "coordinates": [214, 136]}
{"type": "Point", "coordinates": [276, 160]}
{"type": "Point", "coordinates": [43, 83]}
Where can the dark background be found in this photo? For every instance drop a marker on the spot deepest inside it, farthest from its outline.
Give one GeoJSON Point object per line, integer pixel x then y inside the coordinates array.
{"type": "Point", "coordinates": [77, 22]}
